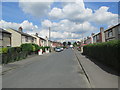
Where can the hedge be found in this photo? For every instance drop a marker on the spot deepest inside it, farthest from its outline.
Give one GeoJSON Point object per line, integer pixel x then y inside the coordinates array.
{"type": "Point", "coordinates": [12, 54]}
{"type": "Point", "coordinates": [107, 52]}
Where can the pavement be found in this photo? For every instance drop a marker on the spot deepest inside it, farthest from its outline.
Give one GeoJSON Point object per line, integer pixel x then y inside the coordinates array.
{"type": "Point", "coordinates": [100, 76]}
{"type": "Point", "coordinates": [53, 70]}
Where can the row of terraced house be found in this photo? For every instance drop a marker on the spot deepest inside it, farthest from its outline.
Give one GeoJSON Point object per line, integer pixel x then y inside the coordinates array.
{"type": "Point", "coordinates": [112, 33]}
{"type": "Point", "coordinates": [14, 38]}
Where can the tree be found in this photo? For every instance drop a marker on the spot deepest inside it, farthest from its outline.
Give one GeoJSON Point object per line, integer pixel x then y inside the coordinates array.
{"type": "Point", "coordinates": [74, 44]}
{"type": "Point", "coordinates": [69, 43]}
{"type": "Point", "coordinates": [64, 43]}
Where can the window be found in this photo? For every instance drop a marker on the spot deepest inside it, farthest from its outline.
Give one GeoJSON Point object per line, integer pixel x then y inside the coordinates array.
{"type": "Point", "coordinates": [0, 36]}
{"type": "Point", "coordinates": [98, 37]}
{"type": "Point", "coordinates": [32, 39]}
{"type": "Point", "coordinates": [26, 39]}
{"type": "Point", "coordinates": [119, 30]}
{"type": "Point", "coordinates": [110, 33]}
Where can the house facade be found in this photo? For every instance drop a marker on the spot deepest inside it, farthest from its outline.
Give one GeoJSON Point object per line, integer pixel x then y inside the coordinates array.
{"type": "Point", "coordinates": [112, 33]}
{"type": "Point", "coordinates": [43, 42]}
{"type": "Point", "coordinates": [56, 44]}
{"type": "Point", "coordinates": [88, 40]}
{"type": "Point", "coordinates": [5, 38]}
{"type": "Point", "coordinates": [100, 37]}
{"type": "Point", "coordinates": [37, 39]}
{"type": "Point", "coordinates": [18, 37]}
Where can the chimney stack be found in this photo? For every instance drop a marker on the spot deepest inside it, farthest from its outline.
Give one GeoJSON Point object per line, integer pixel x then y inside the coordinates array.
{"type": "Point", "coordinates": [20, 29]}
{"type": "Point", "coordinates": [102, 34]}
{"type": "Point", "coordinates": [92, 34]}
{"type": "Point", "coordinates": [101, 29]}
{"type": "Point", "coordinates": [36, 34]}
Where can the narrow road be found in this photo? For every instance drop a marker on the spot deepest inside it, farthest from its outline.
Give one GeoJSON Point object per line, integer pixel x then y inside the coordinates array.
{"type": "Point", "coordinates": [58, 70]}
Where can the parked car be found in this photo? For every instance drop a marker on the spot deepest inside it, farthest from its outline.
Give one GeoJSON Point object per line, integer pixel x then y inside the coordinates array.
{"type": "Point", "coordinates": [58, 49]}
{"type": "Point", "coordinates": [62, 48]}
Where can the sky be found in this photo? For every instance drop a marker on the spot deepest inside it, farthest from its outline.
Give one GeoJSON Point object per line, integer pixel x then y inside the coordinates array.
{"type": "Point", "coordinates": [67, 20]}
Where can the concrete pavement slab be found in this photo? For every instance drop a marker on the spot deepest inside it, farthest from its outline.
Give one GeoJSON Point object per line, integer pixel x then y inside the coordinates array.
{"type": "Point", "coordinates": [100, 76]}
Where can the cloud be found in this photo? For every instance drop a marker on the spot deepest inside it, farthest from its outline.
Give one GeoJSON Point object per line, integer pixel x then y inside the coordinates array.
{"type": "Point", "coordinates": [77, 12]}
{"type": "Point", "coordinates": [58, 35]}
{"type": "Point", "coordinates": [68, 26]}
{"type": "Point", "coordinates": [103, 16]}
{"type": "Point", "coordinates": [46, 23]}
{"type": "Point", "coordinates": [26, 25]}
{"type": "Point", "coordinates": [37, 9]}
{"type": "Point", "coordinates": [72, 11]}
{"type": "Point", "coordinates": [56, 13]}
{"type": "Point", "coordinates": [65, 29]}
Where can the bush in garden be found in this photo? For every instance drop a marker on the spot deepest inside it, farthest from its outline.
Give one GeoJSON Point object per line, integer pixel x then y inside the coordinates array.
{"type": "Point", "coordinates": [106, 52]}
{"type": "Point", "coordinates": [3, 50]}
{"type": "Point", "coordinates": [36, 47]}
{"type": "Point", "coordinates": [13, 54]}
{"type": "Point", "coordinates": [33, 48]}
{"type": "Point", "coordinates": [27, 47]}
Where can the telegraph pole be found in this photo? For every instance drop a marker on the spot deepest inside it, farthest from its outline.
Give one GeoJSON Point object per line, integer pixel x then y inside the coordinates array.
{"type": "Point", "coordinates": [49, 32]}
{"type": "Point", "coordinates": [49, 38]}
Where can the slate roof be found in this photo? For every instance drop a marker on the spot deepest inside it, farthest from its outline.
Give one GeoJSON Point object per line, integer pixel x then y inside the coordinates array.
{"type": "Point", "coordinates": [4, 31]}
{"type": "Point", "coordinates": [22, 33]}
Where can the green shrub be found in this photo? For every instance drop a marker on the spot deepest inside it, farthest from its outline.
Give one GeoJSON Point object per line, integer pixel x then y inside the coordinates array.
{"type": "Point", "coordinates": [3, 50]}
{"type": "Point", "coordinates": [13, 54]}
{"type": "Point", "coordinates": [33, 48]}
{"type": "Point", "coordinates": [106, 52]}
{"type": "Point", "coordinates": [36, 47]}
{"type": "Point", "coordinates": [27, 47]}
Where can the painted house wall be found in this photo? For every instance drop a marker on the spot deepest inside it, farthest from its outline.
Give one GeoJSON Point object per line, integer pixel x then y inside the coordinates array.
{"type": "Point", "coordinates": [112, 34]}
{"type": "Point", "coordinates": [27, 39]}
{"type": "Point", "coordinates": [37, 40]}
{"type": "Point", "coordinates": [15, 38]}
{"type": "Point", "coordinates": [5, 39]}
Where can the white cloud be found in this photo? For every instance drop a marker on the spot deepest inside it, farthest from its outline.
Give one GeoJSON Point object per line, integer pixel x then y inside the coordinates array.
{"type": "Point", "coordinates": [38, 9]}
{"type": "Point", "coordinates": [46, 23]}
{"type": "Point", "coordinates": [56, 13]}
{"type": "Point", "coordinates": [102, 16]}
{"type": "Point", "coordinates": [78, 13]}
{"type": "Point", "coordinates": [26, 25]}
{"type": "Point", "coordinates": [72, 11]}
{"type": "Point", "coordinates": [58, 35]}
{"type": "Point", "coordinates": [68, 26]}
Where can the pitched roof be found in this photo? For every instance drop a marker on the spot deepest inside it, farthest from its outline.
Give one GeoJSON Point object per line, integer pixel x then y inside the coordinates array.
{"type": "Point", "coordinates": [4, 31]}
{"type": "Point", "coordinates": [22, 33]}
{"type": "Point", "coordinates": [42, 38]}
{"type": "Point", "coordinates": [112, 27]}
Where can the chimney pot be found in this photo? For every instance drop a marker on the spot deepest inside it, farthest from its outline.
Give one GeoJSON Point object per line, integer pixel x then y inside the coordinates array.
{"type": "Point", "coordinates": [101, 29]}
{"type": "Point", "coordinates": [20, 29]}
{"type": "Point", "coordinates": [36, 34]}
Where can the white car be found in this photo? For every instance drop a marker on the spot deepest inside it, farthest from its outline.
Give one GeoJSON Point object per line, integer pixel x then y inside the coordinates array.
{"type": "Point", "coordinates": [57, 49]}
{"type": "Point", "coordinates": [62, 49]}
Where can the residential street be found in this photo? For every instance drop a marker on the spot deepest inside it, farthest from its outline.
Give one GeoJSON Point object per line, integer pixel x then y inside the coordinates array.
{"type": "Point", "coordinates": [56, 70]}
